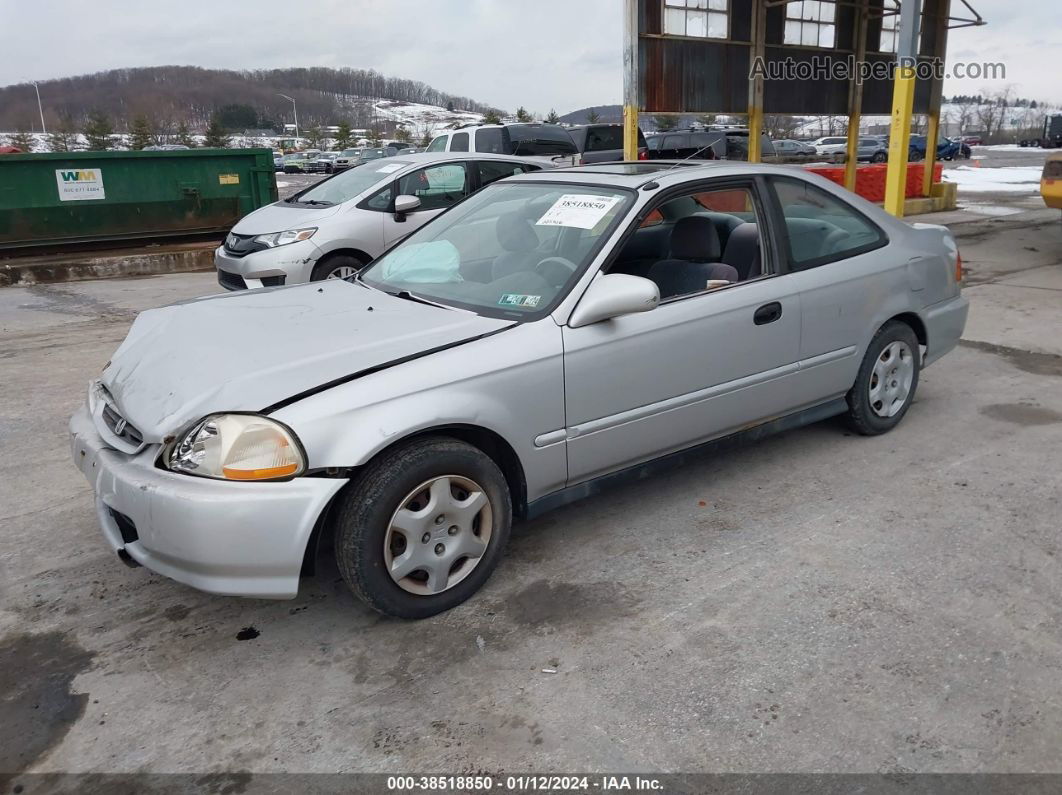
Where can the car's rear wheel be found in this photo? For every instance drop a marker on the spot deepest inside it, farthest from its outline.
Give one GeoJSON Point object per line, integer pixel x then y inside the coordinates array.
{"type": "Point", "coordinates": [338, 266]}
{"type": "Point", "coordinates": [887, 380]}
{"type": "Point", "coordinates": [422, 528]}
{"type": "Point", "coordinates": [880, 157]}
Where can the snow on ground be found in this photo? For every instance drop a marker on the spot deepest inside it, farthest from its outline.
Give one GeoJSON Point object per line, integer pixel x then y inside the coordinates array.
{"type": "Point", "coordinates": [418, 118]}
{"type": "Point", "coordinates": [1009, 179]}
{"type": "Point", "coordinates": [1014, 148]}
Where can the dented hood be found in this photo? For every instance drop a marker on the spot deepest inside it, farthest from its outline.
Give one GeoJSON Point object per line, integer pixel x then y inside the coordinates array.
{"type": "Point", "coordinates": [247, 351]}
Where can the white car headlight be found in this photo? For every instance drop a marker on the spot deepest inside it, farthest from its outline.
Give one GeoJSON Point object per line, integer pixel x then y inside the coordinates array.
{"type": "Point", "coordinates": [238, 447]}
{"type": "Point", "coordinates": [283, 238]}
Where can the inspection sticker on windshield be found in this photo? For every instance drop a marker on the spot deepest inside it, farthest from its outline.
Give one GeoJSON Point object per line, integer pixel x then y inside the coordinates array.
{"type": "Point", "coordinates": [579, 210]}
{"type": "Point", "coordinates": [389, 168]}
{"type": "Point", "coordinates": [515, 299]}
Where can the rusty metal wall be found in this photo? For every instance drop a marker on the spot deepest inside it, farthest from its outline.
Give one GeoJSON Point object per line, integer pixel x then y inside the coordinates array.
{"type": "Point", "coordinates": [693, 75]}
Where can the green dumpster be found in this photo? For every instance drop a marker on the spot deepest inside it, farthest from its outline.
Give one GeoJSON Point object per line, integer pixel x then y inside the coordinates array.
{"type": "Point", "coordinates": [63, 198]}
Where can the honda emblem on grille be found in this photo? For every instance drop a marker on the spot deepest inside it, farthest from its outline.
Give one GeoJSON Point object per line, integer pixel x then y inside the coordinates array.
{"type": "Point", "coordinates": [119, 427]}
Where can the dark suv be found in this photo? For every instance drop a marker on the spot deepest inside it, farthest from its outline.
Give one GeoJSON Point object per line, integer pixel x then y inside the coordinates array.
{"type": "Point", "coordinates": [706, 145]}
{"type": "Point", "coordinates": [602, 143]}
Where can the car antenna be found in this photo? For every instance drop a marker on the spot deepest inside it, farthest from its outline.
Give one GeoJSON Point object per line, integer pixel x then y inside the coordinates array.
{"type": "Point", "coordinates": [691, 156]}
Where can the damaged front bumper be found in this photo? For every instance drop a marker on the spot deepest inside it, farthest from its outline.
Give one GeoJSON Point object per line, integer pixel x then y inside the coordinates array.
{"type": "Point", "coordinates": [293, 263]}
{"type": "Point", "coordinates": [244, 539]}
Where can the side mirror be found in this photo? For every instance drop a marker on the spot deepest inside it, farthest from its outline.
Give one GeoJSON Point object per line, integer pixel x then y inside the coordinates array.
{"type": "Point", "coordinates": [405, 204]}
{"type": "Point", "coordinates": [612, 295]}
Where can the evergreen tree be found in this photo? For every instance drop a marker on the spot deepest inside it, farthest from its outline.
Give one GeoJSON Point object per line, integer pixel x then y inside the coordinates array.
{"type": "Point", "coordinates": [522, 115]}
{"type": "Point", "coordinates": [592, 116]}
{"type": "Point", "coordinates": [98, 132]}
{"type": "Point", "coordinates": [402, 134]}
{"type": "Point", "coordinates": [63, 138]}
{"type": "Point", "coordinates": [22, 139]}
{"type": "Point", "coordinates": [450, 106]}
{"type": "Point", "coordinates": [426, 138]}
{"type": "Point", "coordinates": [216, 138]}
{"type": "Point", "coordinates": [343, 135]}
{"type": "Point", "coordinates": [313, 137]}
{"type": "Point", "coordinates": [491, 117]}
{"type": "Point", "coordinates": [141, 133]}
{"type": "Point", "coordinates": [552, 117]}
{"type": "Point", "coordinates": [184, 137]}
{"type": "Point", "coordinates": [375, 136]}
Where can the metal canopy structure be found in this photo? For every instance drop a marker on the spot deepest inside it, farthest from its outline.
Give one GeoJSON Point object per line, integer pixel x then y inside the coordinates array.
{"type": "Point", "coordinates": [704, 71]}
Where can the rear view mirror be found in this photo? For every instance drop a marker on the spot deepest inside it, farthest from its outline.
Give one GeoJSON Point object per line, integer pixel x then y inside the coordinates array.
{"type": "Point", "coordinates": [405, 204]}
{"type": "Point", "coordinates": [612, 295]}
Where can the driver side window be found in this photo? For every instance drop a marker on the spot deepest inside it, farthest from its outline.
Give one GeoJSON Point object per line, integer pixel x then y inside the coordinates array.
{"type": "Point", "coordinates": [703, 240]}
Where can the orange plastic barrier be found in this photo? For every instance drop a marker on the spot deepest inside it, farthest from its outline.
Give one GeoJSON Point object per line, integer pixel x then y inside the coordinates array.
{"type": "Point", "coordinates": [870, 179]}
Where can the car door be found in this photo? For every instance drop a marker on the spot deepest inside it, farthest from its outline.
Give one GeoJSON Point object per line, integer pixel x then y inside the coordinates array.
{"type": "Point", "coordinates": [832, 262]}
{"type": "Point", "coordinates": [696, 367]}
{"type": "Point", "coordinates": [438, 187]}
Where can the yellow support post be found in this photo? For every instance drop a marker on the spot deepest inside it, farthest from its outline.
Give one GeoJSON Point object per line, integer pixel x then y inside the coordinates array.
{"type": "Point", "coordinates": [755, 134]}
{"type": "Point", "coordinates": [855, 98]}
{"type": "Point", "coordinates": [932, 135]}
{"type": "Point", "coordinates": [940, 31]}
{"type": "Point", "coordinates": [899, 140]}
{"type": "Point", "coordinates": [631, 102]}
{"type": "Point", "coordinates": [851, 162]}
{"type": "Point", "coordinates": [759, 15]}
{"type": "Point", "coordinates": [630, 132]}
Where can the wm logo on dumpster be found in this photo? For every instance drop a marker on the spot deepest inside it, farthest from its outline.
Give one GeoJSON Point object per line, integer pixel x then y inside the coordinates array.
{"type": "Point", "coordinates": [79, 184]}
{"type": "Point", "coordinates": [79, 176]}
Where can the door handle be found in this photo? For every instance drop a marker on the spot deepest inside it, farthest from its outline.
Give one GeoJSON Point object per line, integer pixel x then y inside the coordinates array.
{"type": "Point", "coordinates": [768, 313]}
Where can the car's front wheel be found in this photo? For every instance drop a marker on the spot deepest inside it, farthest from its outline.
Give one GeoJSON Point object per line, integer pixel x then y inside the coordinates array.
{"type": "Point", "coordinates": [338, 266]}
{"type": "Point", "coordinates": [421, 528]}
{"type": "Point", "coordinates": [887, 380]}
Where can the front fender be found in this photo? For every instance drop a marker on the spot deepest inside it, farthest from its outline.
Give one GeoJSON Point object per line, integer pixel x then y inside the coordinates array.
{"type": "Point", "coordinates": [511, 384]}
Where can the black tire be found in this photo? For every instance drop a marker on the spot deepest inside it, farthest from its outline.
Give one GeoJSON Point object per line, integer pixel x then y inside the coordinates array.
{"type": "Point", "coordinates": [861, 415]}
{"type": "Point", "coordinates": [365, 508]}
{"type": "Point", "coordinates": [880, 157]}
{"type": "Point", "coordinates": [329, 263]}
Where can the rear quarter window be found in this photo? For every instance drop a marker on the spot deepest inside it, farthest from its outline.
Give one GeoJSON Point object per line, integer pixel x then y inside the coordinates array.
{"type": "Point", "coordinates": [822, 228]}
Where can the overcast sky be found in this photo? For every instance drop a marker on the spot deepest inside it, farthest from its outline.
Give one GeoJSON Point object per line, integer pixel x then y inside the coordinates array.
{"type": "Point", "coordinates": [562, 54]}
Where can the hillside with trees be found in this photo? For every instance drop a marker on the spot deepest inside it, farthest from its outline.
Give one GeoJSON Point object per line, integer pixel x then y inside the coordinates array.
{"type": "Point", "coordinates": [172, 96]}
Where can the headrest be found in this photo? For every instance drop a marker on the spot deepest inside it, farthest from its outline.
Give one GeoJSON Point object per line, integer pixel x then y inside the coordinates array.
{"type": "Point", "coordinates": [515, 233]}
{"type": "Point", "coordinates": [695, 238]}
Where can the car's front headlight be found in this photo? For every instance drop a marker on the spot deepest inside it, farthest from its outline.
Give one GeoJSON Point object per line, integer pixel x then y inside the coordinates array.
{"type": "Point", "coordinates": [238, 447]}
{"type": "Point", "coordinates": [283, 238]}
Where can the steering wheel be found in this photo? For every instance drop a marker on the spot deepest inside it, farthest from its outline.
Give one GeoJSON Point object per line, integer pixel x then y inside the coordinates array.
{"type": "Point", "coordinates": [555, 270]}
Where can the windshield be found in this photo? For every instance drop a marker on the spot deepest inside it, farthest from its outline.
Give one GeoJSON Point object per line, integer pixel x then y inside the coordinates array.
{"type": "Point", "coordinates": [510, 250]}
{"type": "Point", "coordinates": [372, 154]}
{"type": "Point", "coordinates": [351, 152]}
{"type": "Point", "coordinates": [347, 184]}
{"type": "Point", "coordinates": [295, 156]}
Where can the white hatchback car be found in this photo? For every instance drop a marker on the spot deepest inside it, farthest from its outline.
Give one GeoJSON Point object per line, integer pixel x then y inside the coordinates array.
{"type": "Point", "coordinates": [334, 228]}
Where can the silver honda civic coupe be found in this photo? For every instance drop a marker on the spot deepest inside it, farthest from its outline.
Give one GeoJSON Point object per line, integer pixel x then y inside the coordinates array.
{"type": "Point", "coordinates": [554, 333]}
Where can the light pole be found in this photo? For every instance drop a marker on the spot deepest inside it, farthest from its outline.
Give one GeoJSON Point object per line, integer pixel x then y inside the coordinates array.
{"type": "Point", "coordinates": [40, 108]}
{"type": "Point", "coordinates": [295, 110]}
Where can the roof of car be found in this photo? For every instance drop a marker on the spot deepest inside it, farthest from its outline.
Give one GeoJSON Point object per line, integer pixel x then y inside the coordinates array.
{"type": "Point", "coordinates": [436, 157]}
{"type": "Point", "coordinates": [635, 174]}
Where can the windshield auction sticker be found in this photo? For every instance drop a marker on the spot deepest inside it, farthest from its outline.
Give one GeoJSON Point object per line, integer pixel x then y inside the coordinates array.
{"type": "Point", "coordinates": [578, 210]}
{"type": "Point", "coordinates": [79, 184]}
{"type": "Point", "coordinates": [514, 299]}
{"type": "Point", "coordinates": [389, 168]}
